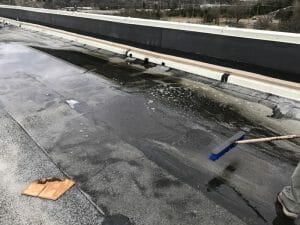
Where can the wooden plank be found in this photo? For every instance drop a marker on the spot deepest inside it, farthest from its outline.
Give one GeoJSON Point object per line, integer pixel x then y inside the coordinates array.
{"type": "Point", "coordinates": [33, 189]}
{"type": "Point", "coordinates": [51, 190]}
{"type": "Point", "coordinates": [54, 190]}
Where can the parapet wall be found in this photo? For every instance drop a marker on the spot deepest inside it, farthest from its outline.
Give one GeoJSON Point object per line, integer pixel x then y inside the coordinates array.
{"type": "Point", "coordinates": [275, 54]}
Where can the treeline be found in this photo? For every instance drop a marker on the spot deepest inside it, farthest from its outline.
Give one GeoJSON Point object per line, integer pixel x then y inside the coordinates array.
{"type": "Point", "coordinates": [290, 18]}
{"type": "Point", "coordinates": [287, 12]}
{"type": "Point", "coordinates": [282, 15]}
{"type": "Point", "coordinates": [114, 4]}
{"type": "Point", "coordinates": [233, 8]}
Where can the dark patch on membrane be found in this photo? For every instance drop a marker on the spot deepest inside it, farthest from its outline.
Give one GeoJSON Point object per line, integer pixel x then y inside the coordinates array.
{"type": "Point", "coordinates": [179, 204]}
{"type": "Point", "coordinates": [139, 185]}
{"type": "Point", "coordinates": [223, 195]}
{"type": "Point", "coordinates": [104, 209]}
{"type": "Point", "coordinates": [134, 163]}
{"type": "Point", "coordinates": [158, 195]}
{"type": "Point", "coordinates": [216, 183]}
{"type": "Point", "coordinates": [82, 178]}
{"type": "Point", "coordinates": [166, 182]}
{"type": "Point", "coordinates": [117, 219]}
{"type": "Point", "coordinates": [230, 168]}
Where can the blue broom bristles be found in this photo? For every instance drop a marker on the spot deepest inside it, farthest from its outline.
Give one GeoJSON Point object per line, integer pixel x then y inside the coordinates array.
{"type": "Point", "coordinates": [214, 157]}
{"type": "Point", "coordinates": [226, 146]}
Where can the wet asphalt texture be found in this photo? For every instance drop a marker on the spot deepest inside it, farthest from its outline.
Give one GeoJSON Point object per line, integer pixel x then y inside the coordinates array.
{"type": "Point", "coordinates": [138, 143]}
{"type": "Point", "coordinates": [22, 161]}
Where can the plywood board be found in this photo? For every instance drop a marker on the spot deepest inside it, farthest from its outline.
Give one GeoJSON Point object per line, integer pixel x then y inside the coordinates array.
{"type": "Point", "coordinates": [34, 189]}
{"type": "Point", "coordinates": [49, 189]}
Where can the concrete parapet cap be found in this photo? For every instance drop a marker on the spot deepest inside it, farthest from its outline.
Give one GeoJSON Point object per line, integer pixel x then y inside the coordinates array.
{"type": "Point", "coordinates": [275, 36]}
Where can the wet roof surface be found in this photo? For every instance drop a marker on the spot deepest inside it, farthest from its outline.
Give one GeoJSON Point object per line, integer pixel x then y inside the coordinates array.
{"type": "Point", "coordinates": [138, 143]}
{"type": "Point", "coordinates": [22, 161]}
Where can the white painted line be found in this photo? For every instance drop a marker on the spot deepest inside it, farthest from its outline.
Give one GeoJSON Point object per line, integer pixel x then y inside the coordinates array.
{"type": "Point", "coordinates": [284, 37]}
{"type": "Point", "coordinates": [250, 80]}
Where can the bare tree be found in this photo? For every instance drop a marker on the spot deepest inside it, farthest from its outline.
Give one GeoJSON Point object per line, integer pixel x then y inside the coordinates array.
{"type": "Point", "coordinates": [241, 10]}
{"type": "Point", "coordinates": [238, 10]}
{"type": "Point", "coordinates": [264, 22]}
{"type": "Point", "coordinates": [293, 24]}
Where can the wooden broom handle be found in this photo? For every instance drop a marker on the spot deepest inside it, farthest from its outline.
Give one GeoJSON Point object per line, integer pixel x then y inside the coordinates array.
{"type": "Point", "coordinates": [267, 139]}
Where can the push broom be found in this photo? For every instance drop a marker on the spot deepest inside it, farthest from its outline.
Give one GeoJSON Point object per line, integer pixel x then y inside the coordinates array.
{"type": "Point", "coordinates": [238, 139]}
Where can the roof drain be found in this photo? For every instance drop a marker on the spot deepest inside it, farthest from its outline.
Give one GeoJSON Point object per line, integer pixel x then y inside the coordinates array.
{"type": "Point", "coordinates": [146, 61]}
{"type": "Point", "coordinates": [128, 51]}
{"type": "Point", "coordinates": [224, 77]}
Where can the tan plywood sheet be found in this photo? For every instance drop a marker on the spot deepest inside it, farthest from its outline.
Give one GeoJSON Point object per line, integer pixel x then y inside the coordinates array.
{"type": "Point", "coordinates": [33, 189]}
{"type": "Point", "coordinates": [49, 190]}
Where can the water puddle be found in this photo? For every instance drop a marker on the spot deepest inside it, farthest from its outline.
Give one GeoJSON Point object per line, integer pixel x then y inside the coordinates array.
{"type": "Point", "coordinates": [165, 89]}
{"type": "Point", "coordinates": [168, 90]}
{"type": "Point", "coordinates": [116, 219]}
